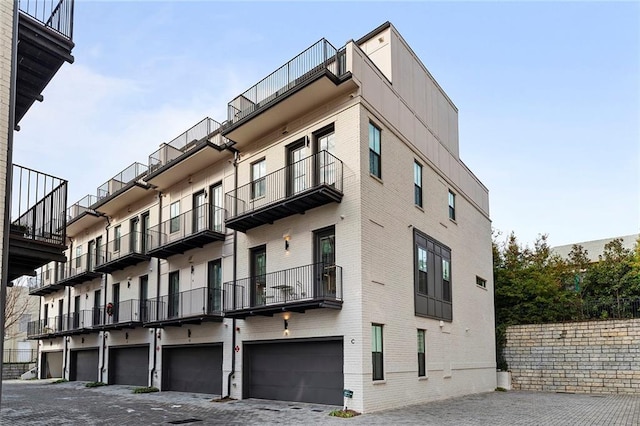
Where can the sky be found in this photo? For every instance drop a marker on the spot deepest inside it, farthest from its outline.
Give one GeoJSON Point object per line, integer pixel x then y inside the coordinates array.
{"type": "Point", "coordinates": [548, 93]}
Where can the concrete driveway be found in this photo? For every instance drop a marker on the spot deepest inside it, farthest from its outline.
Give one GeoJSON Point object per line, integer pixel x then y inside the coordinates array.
{"type": "Point", "coordinates": [38, 402]}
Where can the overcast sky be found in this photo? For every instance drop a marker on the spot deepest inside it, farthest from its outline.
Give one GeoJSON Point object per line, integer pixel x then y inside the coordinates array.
{"type": "Point", "coordinates": [548, 94]}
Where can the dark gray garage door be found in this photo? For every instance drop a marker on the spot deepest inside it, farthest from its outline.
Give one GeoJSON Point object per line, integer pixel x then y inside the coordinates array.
{"type": "Point", "coordinates": [84, 365]}
{"type": "Point", "coordinates": [129, 366]}
{"type": "Point", "coordinates": [308, 371]}
{"type": "Point", "coordinates": [192, 369]}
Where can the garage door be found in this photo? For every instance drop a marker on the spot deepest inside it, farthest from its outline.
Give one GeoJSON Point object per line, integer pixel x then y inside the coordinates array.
{"type": "Point", "coordinates": [306, 371]}
{"type": "Point", "coordinates": [84, 365]}
{"type": "Point", "coordinates": [51, 364]}
{"type": "Point", "coordinates": [192, 369]}
{"type": "Point", "coordinates": [129, 366]}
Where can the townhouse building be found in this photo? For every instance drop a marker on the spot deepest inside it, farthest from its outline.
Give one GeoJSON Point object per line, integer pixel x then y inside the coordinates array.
{"type": "Point", "coordinates": [324, 240]}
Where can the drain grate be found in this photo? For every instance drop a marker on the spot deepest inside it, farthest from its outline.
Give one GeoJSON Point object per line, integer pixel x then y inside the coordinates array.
{"type": "Point", "coordinates": [184, 422]}
{"type": "Point", "coordinates": [296, 408]}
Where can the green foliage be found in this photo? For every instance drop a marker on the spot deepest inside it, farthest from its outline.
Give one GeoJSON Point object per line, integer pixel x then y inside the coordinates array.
{"type": "Point", "coordinates": [55, 382]}
{"type": "Point", "coordinates": [146, 389]}
{"type": "Point", "coordinates": [500, 389]}
{"type": "Point", "coordinates": [345, 414]}
{"type": "Point", "coordinates": [94, 384]}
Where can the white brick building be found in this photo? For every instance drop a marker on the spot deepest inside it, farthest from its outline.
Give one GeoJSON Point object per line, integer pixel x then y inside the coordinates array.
{"type": "Point", "coordinates": [325, 236]}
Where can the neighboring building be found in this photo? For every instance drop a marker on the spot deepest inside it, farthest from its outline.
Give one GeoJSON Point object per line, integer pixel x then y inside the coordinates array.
{"type": "Point", "coordinates": [35, 41]}
{"type": "Point", "coordinates": [595, 248]}
{"type": "Point", "coordinates": [326, 236]}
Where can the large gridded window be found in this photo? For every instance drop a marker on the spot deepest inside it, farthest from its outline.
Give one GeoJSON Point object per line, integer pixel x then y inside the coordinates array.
{"type": "Point", "coordinates": [258, 183]}
{"type": "Point", "coordinates": [452, 206]}
{"type": "Point", "coordinates": [422, 366]}
{"type": "Point", "coordinates": [374, 151]}
{"type": "Point", "coordinates": [433, 284]}
{"type": "Point", "coordinates": [417, 184]}
{"type": "Point", "coordinates": [174, 217]}
{"type": "Point", "coordinates": [376, 352]}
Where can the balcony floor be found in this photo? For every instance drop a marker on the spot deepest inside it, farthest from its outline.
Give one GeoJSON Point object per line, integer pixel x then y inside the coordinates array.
{"type": "Point", "coordinates": [117, 326]}
{"type": "Point", "coordinates": [26, 255]}
{"type": "Point", "coordinates": [190, 320]}
{"type": "Point", "coordinates": [80, 278]}
{"type": "Point", "coordinates": [189, 242]}
{"type": "Point", "coordinates": [122, 262]}
{"type": "Point", "coordinates": [298, 306]}
{"type": "Point", "coordinates": [296, 204]}
{"type": "Point", "coordinates": [47, 289]}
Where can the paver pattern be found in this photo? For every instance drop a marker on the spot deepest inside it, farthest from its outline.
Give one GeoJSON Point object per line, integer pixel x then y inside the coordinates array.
{"type": "Point", "coordinates": [40, 403]}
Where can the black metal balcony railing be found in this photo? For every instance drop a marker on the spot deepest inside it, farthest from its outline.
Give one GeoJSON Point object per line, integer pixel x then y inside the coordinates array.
{"type": "Point", "coordinates": [316, 171]}
{"type": "Point", "coordinates": [81, 320]}
{"type": "Point", "coordinates": [16, 356]}
{"type": "Point", "coordinates": [196, 302]}
{"type": "Point", "coordinates": [46, 327]}
{"type": "Point", "coordinates": [119, 181]}
{"type": "Point", "coordinates": [121, 246]}
{"type": "Point", "coordinates": [38, 204]}
{"type": "Point", "coordinates": [318, 281]}
{"type": "Point", "coordinates": [78, 267]}
{"type": "Point", "coordinates": [54, 14]}
{"type": "Point", "coordinates": [207, 129]}
{"type": "Point", "coordinates": [320, 57]}
{"type": "Point", "coordinates": [83, 205]}
{"type": "Point", "coordinates": [125, 312]}
{"type": "Point", "coordinates": [188, 226]}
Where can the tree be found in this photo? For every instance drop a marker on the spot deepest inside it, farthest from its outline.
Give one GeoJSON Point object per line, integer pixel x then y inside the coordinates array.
{"type": "Point", "coordinates": [17, 304]}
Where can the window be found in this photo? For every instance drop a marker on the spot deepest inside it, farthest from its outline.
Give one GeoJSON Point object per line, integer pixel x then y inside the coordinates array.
{"type": "Point", "coordinates": [422, 367]}
{"type": "Point", "coordinates": [376, 352]}
{"type": "Point", "coordinates": [117, 234]}
{"type": "Point", "coordinates": [258, 183]}
{"type": "Point", "coordinates": [174, 217]}
{"type": "Point", "coordinates": [78, 256]}
{"type": "Point", "coordinates": [374, 151]}
{"type": "Point", "coordinates": [417, 184]}
{"type": "Point", "coordinates": [452, 206]}
{"type": "Point", "coordinates": [432, 282]}
{"type": "Point", "coordinates": [481, 282]}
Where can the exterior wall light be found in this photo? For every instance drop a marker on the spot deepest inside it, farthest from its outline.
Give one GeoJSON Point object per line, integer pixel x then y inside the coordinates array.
{"type": "Point", "coordinates": [286, 237]}
{"type": "Point", "coordinates": [286, 327]}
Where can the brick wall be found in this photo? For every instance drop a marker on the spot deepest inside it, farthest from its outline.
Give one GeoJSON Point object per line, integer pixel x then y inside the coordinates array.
{"type": "Point", "coordinates": [584, 357]}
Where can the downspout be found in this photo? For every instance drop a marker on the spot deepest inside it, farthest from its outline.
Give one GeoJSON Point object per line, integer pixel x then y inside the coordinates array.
{"type": "Point", "coordinates": [236, 157]}
{"type": "Point", "coordinates": [65, 345]}
{"type": "Point", "coordinates": [104, 282]}
{"type": "Point", "coordinates": [155, 330]}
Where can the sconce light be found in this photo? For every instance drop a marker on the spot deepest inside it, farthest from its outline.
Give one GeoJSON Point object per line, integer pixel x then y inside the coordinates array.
{"type": "Point", "coordinates": [86, 296]}
{"type": "Point", "coordinates": [83, 340]}
{"type": "Point", "coordinates": [286, 237]}
{"type": "Point", "coordinates": [192, 269]}
{"type": "Point", "coordinates": [441, 324]}
{"type": "Point", "coordinates": [128, 284]}
{"type": "Point", "coordinates": [189, 333]}
{"type": "Point", "coordinates": [286, 327]}
{"type": "Point", "coordinates": [126, 335]}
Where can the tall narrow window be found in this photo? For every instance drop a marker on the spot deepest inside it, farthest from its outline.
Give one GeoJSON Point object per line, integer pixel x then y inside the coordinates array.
{"type": "Point", "coordinates": [452, 206]}
{"type": "Point", "coordinates": [258, 183]}
{"type": "Point", "coordinates": [174, 294]}
{"type": "Point", "coordinates": [174, 217]}
{"type": "Point", "coordinates": [417, 184]}
{"type": "Point", "coordinates": [78, 256]}
{"type": "Point", "coordinates": [446, 280]}
{"type": "Point", "coordinates": [422, 270]}
{"type": "Point", "coordinates": [422, 367]}
{"type": "Point", "coordinates": [117, 235]}
{"type": "Point", "coordinates": [374, 151]}
{"type": "Point", "coordinates": [376, 352]}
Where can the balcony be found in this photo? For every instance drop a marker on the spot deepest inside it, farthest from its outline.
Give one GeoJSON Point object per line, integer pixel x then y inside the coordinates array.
{"type": "Point", "coordinates": [46, 328]}
{"type": "Point", "coordinates": [63, 325]}
{"type": "Point", "coordinates": [188, 307]}
{"type": "Point", "coordinates": [38, 226]}
{"type": "Point", "coordinates": [121, 190]}
{"type": "Point", "coordinates": [78, 271]}
{"type": "Point", "coordinates": [81, 216]}
{"type": "Point", "coordinates": [195, 228]}
{"type": "Point", "coordinates": [195, 149]}
{"type": "Point", "coordinates": [126, 314]}
{"type": "Point", "coordinates": [311, 182]}
{"type": "Point", "coordinates": [298, 289]}
{"type": "Point", "coordinates": [307, 81]}
{"type": "Point", "coordinates": [122, 251]}
{"type": "Point", "coordinates": [45, 33]}
{"type": "Point", "coordinates": [45, 281]}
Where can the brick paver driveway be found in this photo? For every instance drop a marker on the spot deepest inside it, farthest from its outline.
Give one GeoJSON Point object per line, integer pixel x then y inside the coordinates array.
{"type": "Point", "coordinates": [40, 403]}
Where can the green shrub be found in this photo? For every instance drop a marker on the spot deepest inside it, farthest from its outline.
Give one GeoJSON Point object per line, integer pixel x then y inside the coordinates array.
{"type": "Point", "coordinates": [146, 389]}
{"type": "Point", "coordinates": [55, 382]}
{"type": "Point", "coordinates": [95, 384]}
{"type": "Point", "coordinates": [345, 414]}
{"type": "Point", "coordinates": [500, 389]}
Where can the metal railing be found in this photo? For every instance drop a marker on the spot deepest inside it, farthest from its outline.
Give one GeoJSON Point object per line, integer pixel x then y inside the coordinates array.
{"type": "Point", "coordinates": [81, 206]}
{"type": "Point", "coordinates": [16, 356]}
{"type": "Point", "coordinates": [54, 14]}
{"type": "Point", "coordinates": [321, 169]}
{"type": "Point", "coordinates": [119, 181]}
{"type": "Point", "coordinates": [309, 282]}
{"type": "Point", "coordinates": [121, 246]}
{"type": "Point", "coordinates": [38, 205]}
{"type": "Point", "coordinates": [208, 129]}
{"type": "Point", "coordinates": [319, 57]}
{"type": "Point", "coordinates": [202, 218]}
{"type": "Point", "coordinates": [45, 275]}
{"type": "Point", "coordinates": [78, 265]}
{"type": "Point", "coordinates": [200, 301]}
{"type": "Point", "coordinates": [132, 310]}
{"type": "Point", "coordinates": [83, 319]}
{"type": "Point", "coordinates": [43, 327]}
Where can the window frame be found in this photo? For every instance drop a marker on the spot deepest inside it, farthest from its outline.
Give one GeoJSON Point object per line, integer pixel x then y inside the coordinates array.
{"type": "Point", "coordinates": [481, 282]}
{"type": "Point", "coordinates": [452, 205]}
{"type": "Point", "coordinates": [422, 350]}
{"type": "Point", "coordinates": [78, 262]}
{"type": "Point", "coordinates": [375, 152]}
{"type": "Point", "coordinates": [437, 303]}
{"type": "Point", "coordinates": [258, 183]}
{"type": "Point", "coordinates": [377, 352]}
{"type": "Point", "coordinates": [117, 238]}
{"type": "Point", "coordinates": [417, 184]}
{"type": "Point", "coordinates": [174, 217]}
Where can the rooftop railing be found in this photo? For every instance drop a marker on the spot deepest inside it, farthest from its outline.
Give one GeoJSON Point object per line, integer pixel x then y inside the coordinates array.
{"type": "Point", "coordinates": [83, 205]}
{"type": "Point", "coordinates": [54, 14]}
{"type": "Point", "coordinates": [120, 180]}
{"type": "Point", "coordinates": [205, 129]}
{"type": "Point", "coordinates": [38, 206]}
{"type": "Point", "coordinates": [319, 57]}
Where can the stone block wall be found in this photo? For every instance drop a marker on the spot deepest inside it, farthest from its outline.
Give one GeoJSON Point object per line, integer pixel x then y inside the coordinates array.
{"type": "Point", "coordinates": [582, 357]}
